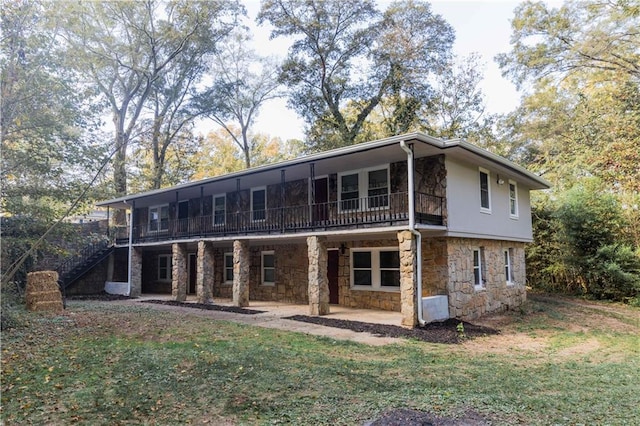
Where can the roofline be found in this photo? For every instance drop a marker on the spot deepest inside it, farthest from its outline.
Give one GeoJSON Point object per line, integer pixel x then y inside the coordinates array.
{"type": "Point", "coordinates": [360, 147]}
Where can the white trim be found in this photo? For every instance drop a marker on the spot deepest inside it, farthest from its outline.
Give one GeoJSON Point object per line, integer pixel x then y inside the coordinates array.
{"type": "Point", "coordinates": [213, 209]}
{"type": "Point", "coordinates": [256, 189]}
{"type": "Point", "coordinates": [159, 208]}
{"type": "Point", "coordinates": [225, 280]}
{"type": "Point", "coordinates": [480, 267]}
{"type": "Point", "coordinates": [262, 268]}
{"type": "Point", "coordinates": [482, 170]}
{"type": "Point", "coordinates": [508, 266]}
{"type": "Point", "coordinates": [375, 269]}
{"type": "Point", "coordinates": [513, 215]}
{"type": "Point", "coordinates": [363, 187]}
{"type": "Point", "coordinates": [169, 267]}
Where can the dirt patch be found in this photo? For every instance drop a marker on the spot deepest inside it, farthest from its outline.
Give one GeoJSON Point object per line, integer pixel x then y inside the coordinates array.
{"type": "Point", "coordinates": [435, 332]}
{"type": "Point", "coordinates": [406, 417]}
{"type": "Point", "coordinates": [206, 307]}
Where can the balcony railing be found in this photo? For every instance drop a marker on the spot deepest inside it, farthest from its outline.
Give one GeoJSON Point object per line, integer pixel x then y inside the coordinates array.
{"type": "Point", "coordinates": [368, 212]}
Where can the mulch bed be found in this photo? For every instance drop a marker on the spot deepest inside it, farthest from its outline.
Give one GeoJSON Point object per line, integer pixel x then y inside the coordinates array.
{"type": "Point", "coordinates": [207, 307]}
{"type": "Point", "coordinates": [435, 332]}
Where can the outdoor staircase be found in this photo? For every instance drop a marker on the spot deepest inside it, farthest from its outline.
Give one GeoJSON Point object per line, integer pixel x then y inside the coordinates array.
{"type": "Point", "coordinates": [86, 259]}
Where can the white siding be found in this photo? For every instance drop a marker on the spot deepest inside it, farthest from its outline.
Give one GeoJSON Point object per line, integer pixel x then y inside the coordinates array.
{"type": "Point", "coordinates": [465, 218]}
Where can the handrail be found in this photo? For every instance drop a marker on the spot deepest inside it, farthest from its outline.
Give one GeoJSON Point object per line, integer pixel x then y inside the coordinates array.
{"type": "Point", "coordinates": [81, 256]}
{"type": "Point", "coordinates": [382, 210]}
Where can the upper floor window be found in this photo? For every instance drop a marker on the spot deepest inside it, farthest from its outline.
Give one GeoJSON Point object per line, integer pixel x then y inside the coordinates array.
{"type": "Point", "coordinates": [513, 199]}
{"type": "Point", "coordinates": [375, 268]}
{"type": "Point", "coordinates": [349, 192]}
{"type": "Point", "coordinates": [165, 263]}
{"type": "Point", "coordinates": [159, 218]}
{"type": "Point", "coordinates": [485, 191]}
{"type": "Point", "coordinates": [370, 184]}
{"type": "Point", "coordinates": [268, 268]}
{"type": "Point", "coordinates": [219, 209]}
{"type": "Point", "coordinates": [258, 204]}
{"type": "Point", "coordinates": [228, 268]}
{"type": "Point", "coordinates": [478, 267]}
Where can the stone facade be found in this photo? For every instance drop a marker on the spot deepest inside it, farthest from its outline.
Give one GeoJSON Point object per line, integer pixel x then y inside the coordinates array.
{"type": "Point", "coordinates": [468, 302]}
{"type": "Point", "coordinates": [204, 275]}
{"type": "Point", "coordinates": [408, 290]}
{"type": "Point", "coordinates": [136, 272]}
{"type": "Point", "coordinates": [179, 272]}
{"type": "Point", "coordinates": [365, 299]}
{"type": "Point", "coordinates": [318, 283]}
{"type": "Point", "coordinates": [241, 265]}
{"type": "Point", "coordinates": [435, 268]}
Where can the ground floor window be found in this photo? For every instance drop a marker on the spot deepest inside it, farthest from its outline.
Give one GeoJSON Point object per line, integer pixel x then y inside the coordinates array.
{"type": "Point", "coordinates": [375, 269]}
{"type": "Point", "coordinates": [508, 265]}
{"type": "Point", "coordinates": [268, 268]}
{"type": "Point", "coordinates": [165, 267]}
{"type": "Point", "coordinates": [228, 268]}
{"type": "Point", "coordinates": [478, 268]}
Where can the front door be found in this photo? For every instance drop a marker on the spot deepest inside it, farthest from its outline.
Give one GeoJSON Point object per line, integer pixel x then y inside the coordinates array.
{"type": "Point", "coordinates": [321, 206]}
{"type": "Point", "coordinates": [333, 260]}
{"type": "Point", "coordinates": [192, 273]}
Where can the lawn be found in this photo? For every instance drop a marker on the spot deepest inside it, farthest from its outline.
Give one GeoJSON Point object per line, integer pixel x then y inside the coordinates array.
{"type": "Point", "coordinates": [557, 361]}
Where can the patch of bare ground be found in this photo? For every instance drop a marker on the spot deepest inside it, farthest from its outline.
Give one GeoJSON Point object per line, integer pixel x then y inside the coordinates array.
{"type": "Point", "coordinates": [407, 417]}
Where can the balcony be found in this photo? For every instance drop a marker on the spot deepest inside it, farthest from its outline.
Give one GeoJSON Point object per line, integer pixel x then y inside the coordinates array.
{"type": "Point", "coordinates": [356, 213]}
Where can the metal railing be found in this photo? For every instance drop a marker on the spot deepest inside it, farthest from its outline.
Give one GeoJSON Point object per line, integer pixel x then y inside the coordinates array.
{"type": "Point", "coordinates": [379, 210]}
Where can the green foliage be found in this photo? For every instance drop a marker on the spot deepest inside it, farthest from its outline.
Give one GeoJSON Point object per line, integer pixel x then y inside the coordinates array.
{"type": "Point", "coordinates": [348, 53]}
{"type": "Point", "coordinates": [581, 246]}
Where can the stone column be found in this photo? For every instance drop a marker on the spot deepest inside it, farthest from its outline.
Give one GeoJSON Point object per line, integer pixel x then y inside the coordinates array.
{"type": "Point", "coordinates": [179, 272]}
{"type": "Point", "coordinates": [408, 268]}
{"type": "Point", "coordinates": [204, 274]}
{"type": "Point", "coordinates": [136, 273]}
{"type": "Point", "coordinates": [318, 281]}
{"type": "Point", "coordinates": [241, 264]}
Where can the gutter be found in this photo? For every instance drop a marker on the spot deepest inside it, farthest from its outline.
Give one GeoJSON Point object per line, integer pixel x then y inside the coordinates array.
{"type": "Point", "coordinates": [130, 257]}
{"type": "Point", "coordinates": [412, 227]}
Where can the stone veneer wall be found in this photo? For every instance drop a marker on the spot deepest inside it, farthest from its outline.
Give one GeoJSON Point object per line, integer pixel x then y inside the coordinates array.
{"type": "Point", "coordinates": [291, 274]}
{"type": "Point", "coordinates": [465, 302]}
{"type": "Point", "coordinates": [435, 268]}
{"type": "Point", "coordinates": [384, 300]}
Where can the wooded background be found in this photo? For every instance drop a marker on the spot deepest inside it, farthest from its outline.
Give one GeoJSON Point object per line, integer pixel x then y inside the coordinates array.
{"type": "Point", "coordinates": [125, 83]}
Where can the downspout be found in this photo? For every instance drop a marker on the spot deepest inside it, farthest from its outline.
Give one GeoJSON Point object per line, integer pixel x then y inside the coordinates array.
{"type": "Point", "coordinates": [130, 249]}
{"type": "Point", "coordinates": [412, 227]}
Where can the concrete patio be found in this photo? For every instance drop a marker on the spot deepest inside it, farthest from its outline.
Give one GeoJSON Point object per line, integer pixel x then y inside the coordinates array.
{"type": "Point", "coordinates": [274, 317]}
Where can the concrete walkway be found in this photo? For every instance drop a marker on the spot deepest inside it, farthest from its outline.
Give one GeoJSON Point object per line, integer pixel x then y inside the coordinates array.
{"type": "Point", "coordinates": [274, 314]}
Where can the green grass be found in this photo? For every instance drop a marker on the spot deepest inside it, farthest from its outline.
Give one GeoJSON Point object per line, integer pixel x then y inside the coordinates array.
{"type": "Point", "coordinates": [107, 364]}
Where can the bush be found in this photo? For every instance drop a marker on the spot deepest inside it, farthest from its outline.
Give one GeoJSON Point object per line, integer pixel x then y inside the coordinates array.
{"type": "Point", "coordinates": [13, 307]}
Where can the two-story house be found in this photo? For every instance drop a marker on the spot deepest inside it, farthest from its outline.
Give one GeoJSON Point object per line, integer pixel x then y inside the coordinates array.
{"type": "Point", "coordinates": [392, 224]}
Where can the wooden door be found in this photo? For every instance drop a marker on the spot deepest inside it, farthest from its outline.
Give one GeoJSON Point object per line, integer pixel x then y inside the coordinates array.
{"type": "Point", "coordinates": [321, 207]}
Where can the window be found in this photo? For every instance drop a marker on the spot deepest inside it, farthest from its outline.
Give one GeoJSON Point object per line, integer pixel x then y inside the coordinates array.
{"type": "Point", "coordinates": [390, 268]}
{"type": "Point", "coordinates": [268, 268]}
{"type": "Point", "coordinates": [228, 268]}
{"type": "Point", "coordinates": [219, 209]}
{"type": "Point", "coordinates": [159, 218]}
{"type": "Point", "coordinates": [513, 199]}
{"type": "Point", "coordinates": [370, 184]}
{"type": "Point", "coordinates": [508, 266]}
{"type": "Point", "coordinates": [485, 191]}
{"type": "Point", "coordinates": [378, 188]}
{"type": "Point", "coordinates": [478, 265]}
{"type": "Point", "coordinates": [349, 192]}
{"type": "Point", "coordinates": [258, 204]}
{"type": "Point", "coordinates": [375, 269]}
{"type": "Point", "coordinates": [165, 267]}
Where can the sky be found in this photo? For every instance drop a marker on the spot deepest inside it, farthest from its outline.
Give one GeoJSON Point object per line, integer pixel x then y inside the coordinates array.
{"type": "Point", "coordinates": [481, 26]}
